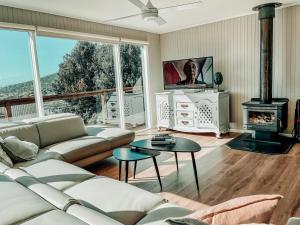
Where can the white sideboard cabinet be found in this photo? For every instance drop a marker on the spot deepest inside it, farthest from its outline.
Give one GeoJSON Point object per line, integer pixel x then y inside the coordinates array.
{"type": "Point", "coordinates": [193, 111]}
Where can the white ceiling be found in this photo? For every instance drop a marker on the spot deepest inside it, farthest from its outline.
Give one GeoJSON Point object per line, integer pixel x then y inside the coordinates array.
{"type": "Point", "coordinates": [102, 10]}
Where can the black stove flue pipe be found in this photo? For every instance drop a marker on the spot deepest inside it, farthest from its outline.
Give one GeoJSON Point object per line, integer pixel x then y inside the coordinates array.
{"type": "Point", "coordinates": [266, 16]}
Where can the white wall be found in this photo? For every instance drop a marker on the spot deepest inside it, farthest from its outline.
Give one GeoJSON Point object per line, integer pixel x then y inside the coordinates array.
{"type": "Point", "coordinates": [234, 43]}
{"type": "Point", "coordinates": [20, 16]}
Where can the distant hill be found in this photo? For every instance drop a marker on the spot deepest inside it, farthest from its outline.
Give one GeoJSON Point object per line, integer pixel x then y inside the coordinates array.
{"type": "Point", "coordinates": [25, 89]}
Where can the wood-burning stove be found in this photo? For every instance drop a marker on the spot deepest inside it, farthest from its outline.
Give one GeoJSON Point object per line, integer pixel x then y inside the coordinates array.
{"type": "Point", "coordinates": [266, 116]}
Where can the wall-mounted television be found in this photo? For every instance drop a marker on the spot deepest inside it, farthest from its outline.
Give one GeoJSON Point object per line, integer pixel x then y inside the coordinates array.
{"type": "Point", "coordinates": [188, 73]}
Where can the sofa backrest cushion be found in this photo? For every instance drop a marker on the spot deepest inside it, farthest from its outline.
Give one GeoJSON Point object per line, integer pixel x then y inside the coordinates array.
{"type": "Point", "coordinates": [59, 130]}
{"type": "Point", "coordinates": [47, 118]}
{"type": "Point", "coordinates": [27, 133]}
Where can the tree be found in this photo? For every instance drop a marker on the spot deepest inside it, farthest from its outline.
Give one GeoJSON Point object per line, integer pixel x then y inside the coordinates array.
{"type": "Point", "coordinates": [76, 74]}
{"type": "Point", "coordinates": [131, 64]}
{"type": "Point", "coordinates": [90, 67]}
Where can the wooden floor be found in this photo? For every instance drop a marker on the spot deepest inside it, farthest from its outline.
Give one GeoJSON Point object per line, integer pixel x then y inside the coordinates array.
{"type": "Point", "coordinates": [223, 174]}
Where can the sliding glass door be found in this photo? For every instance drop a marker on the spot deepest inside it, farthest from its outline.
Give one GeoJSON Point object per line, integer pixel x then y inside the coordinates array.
{"type": "Point", "coordinates": [16, 76]}
{"type": "Point", "coordinates": [133, 86]}
{"type": "Point", "coordinates": [42, 75]}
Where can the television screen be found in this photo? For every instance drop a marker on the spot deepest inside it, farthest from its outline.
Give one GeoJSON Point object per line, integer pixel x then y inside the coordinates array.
{"type": "Point", "coordinates": [188, 73]}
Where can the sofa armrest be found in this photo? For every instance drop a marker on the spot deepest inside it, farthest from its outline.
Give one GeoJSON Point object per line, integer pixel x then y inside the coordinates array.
{"type": "Point", "coordinates": [294, 221]}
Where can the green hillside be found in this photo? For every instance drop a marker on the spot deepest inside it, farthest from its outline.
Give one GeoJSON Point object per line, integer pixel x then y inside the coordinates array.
{"type": "Point", "coordinates": [25, 89]}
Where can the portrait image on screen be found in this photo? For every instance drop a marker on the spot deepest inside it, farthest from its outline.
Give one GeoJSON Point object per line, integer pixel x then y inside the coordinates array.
{"type": "Point", "coordinates": [188, 73]}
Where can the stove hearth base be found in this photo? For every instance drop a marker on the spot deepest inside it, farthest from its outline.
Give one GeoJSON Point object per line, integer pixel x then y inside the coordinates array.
{"type": "Point", "coordinates": [274, 145]}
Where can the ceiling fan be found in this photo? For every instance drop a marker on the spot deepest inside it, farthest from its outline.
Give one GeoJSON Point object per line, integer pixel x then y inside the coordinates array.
{"type": "Point", "coordinates": [150, 13]}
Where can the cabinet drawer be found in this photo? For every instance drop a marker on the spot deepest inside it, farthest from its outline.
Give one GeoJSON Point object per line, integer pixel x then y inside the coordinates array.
{"type": "Point", "coordinates": [184, 106]}
{"type": "Point", "coordinates": [185, 123]}
{"type": "Point", "coordinates": [185, 114]}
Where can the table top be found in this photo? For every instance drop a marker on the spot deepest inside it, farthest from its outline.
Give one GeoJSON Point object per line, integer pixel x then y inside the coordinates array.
{"type": "Point", "coordinates": [182, 145]}
{"type": "Point", "coordinates": [126, 154]}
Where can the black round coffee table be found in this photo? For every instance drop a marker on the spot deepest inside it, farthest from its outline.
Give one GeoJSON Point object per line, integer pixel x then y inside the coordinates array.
{"type": "Point", "coordinates": [127, 155]}
{"type": "Point", "coordinates": [182, 145]}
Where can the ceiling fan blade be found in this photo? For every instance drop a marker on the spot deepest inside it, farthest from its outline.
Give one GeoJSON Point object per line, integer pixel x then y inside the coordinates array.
{"type": "Point", "coordinates": [121, 18]}
{"type": "Point", "coordinates": [160, 21]}
{"type": "Point", "coordinates": [139, 4]}
{"type": "Point", "coordinates": [181, 6]}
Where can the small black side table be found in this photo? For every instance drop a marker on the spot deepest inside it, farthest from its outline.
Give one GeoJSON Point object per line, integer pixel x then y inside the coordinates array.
{"type": "Point", "coordinates": [126, 155]}
{"type": "Point", "coordinates": [182, 145]}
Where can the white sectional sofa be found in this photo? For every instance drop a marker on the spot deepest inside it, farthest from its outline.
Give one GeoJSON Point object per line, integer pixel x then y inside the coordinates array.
{"type": "Point", "coordinates": [53, 189]}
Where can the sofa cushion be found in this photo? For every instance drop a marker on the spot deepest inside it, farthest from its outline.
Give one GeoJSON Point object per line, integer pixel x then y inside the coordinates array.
{"type": "Point", "coordinates": [61, 129]}
{"type": "Point", "coordinates": [117, 136]}
{"type": "Point", "coordinates": [24, 132]}
{"type": "Point", "coordinates": [294, 221]}
{"type": "Point", "coordinates": [55, 197]}
{"type": "Point", "coordinates": [48, 117]}
{"type": "Point", "coordinates": [43, 155]}
{"type": "Point", "coordinates": [54, 217]}
{"type": "Point", "coordinates": [18, 203]}
{"type": "Point", "coordinates": [79, 148]}
{"type": "Point", "coordinates": [58, 174]}
{"type": "Point", "coordinates": [122, 202]}
{"type": "Point", "coordinates": [159, 214]}
{"type": "Point", "coordinates": [91, 216]}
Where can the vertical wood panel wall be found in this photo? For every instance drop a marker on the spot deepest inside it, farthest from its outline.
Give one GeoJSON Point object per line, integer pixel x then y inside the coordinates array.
{"type": "Point", "coordinates": [234, 44]}
{"type": "Point", "coordinates": [20, 16]}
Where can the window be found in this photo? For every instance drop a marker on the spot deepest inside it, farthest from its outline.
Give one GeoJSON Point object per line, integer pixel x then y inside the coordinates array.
{"type": "Point", "coordinates": [16, 76]}
{"type": "Point", "coordinates": [81, 75]}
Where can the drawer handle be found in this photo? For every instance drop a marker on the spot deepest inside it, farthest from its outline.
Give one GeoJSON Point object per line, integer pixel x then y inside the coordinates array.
{"type": "Point", "coordinates": [184, 114]}
{"type": "Point", "coordinates": [184, 106]}
{"type": "Point", "coordinates": [185, 122]}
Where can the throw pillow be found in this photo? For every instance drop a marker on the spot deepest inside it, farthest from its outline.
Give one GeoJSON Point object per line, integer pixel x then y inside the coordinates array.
{"type": "Point", "coordinates": [19, 151]}
{"type": "Point", "coordinates": [249, 209]}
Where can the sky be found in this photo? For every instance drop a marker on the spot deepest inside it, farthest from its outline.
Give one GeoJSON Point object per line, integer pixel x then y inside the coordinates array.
{"type": "Point", "coordinates": [15, 58]}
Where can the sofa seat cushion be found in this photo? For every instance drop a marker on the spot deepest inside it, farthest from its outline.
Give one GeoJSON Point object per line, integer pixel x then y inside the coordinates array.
{"type": "Point", "coordinates": [117, 136]}
{"type": "Point", "coordinates": [58, 174]}
{"type": "Point", "coordinates": [57, 198]}
{"type": "Point", "coordinates": [159, 214]}
{"type": "Point", "coordinates": [61, 129]}
{"type": "Point", "coordinates": [54, 217]}
{"type": "Point", "coordinates": [79, 148]}
{"type": "Point", "coordinates": [91, 216]}
{"type": "Point", "coordinates": [43, 155]}
{"type": "Point", "coordinates": [18, 203]}
{"type": "Point", "coordinates": [27, 133]}
{"type": "Point", "coordinates": [120, 201]}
